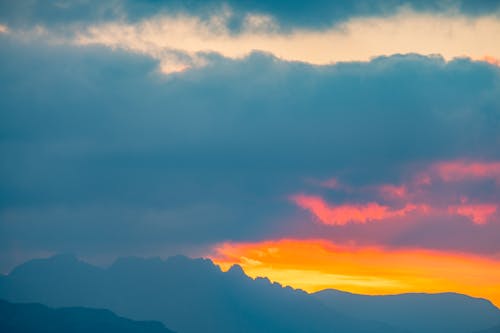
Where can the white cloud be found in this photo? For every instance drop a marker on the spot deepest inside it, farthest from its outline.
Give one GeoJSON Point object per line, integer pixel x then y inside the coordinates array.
{"type": "Point", "coordinates": [166, 37]}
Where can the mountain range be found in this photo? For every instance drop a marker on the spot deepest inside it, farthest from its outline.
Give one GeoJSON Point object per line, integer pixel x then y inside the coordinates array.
{"type": "Point", "coordinates": [36, 318]}
{"type": "Point", "coordinates": [194, 295]}
{"type": "Point", "coordinates": [432, 313]}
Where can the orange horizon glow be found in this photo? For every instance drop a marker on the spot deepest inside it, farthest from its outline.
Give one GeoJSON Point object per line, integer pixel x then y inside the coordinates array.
{"type": "Point", "coordinates": [314, 265]}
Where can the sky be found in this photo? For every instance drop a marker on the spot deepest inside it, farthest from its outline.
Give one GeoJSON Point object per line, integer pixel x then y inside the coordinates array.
{"type": "Point", "coordinates": [348, 144]}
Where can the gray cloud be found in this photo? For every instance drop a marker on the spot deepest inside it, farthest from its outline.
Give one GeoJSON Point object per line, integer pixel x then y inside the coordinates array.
{"type": "Point", "coordinates": [289, 14]}
{"type": "Point", "coordinates": [101, 154]}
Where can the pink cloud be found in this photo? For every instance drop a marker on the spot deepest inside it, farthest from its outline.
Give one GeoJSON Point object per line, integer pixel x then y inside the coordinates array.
{"type": "Point", "coordinates": [345, 213]}
{"type": "Point", "coordinates": [479, 213]}
{"type": "Point", "coordinates": [462, 170]}
{"type": "Point", "coordinates": [440, 189]}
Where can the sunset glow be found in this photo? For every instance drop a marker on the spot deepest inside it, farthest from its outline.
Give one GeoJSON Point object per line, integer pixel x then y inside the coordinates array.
{"type": "Point", "coordinates": [314, 265]}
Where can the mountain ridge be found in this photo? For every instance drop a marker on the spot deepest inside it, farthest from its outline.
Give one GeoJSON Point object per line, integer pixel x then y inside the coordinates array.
{"type": "Point", "coordinates": [179, 288]}
{"type": "Point", "coordinates": [36, 318]}
{"type": "Point", "coordinates": [417, 312]}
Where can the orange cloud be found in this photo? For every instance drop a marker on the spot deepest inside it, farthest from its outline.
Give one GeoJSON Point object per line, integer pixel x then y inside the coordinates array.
{"type": "Point", "coordinates": [314, 265]}
{"type": "Point", "coordinates": [463, 170]}
{"type": "Point", "coordinates": [492, 60]}
{"type": "Point", "coordinates": [343, 214]}
{"type": "Point", "coordinates": [479, 213]}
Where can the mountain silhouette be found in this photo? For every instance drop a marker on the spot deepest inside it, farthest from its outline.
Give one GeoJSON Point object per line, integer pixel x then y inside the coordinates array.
{"type": "Point", "coordinates": [194, 295]}
{"type": "Point", "coordinates": [416, 312]}
{"type": "Point", "coordinates": [187, 295]}
{"type": "Point", "coordinates": [37, 318]}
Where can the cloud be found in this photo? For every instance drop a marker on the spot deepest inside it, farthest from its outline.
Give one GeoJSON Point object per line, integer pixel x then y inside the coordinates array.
{"type": "Point", "coordinates": [323, 13]}
{"type": "Point", "coordinates": [359, 39]}
{"type": "Point", "coordinates": [468, 170]}
{"type": "Point", "coordinates": [432, 194]}
{"type": "Point", "coordinates": [316, 264]}
{"type": "Point", "coordinates": [102, 155]}
{"type": "Point", "coordinates": [479, 214]}
{"type": "Point", "coordinates": [459, 213]}
{"type": "Point", "coordinates": [182, 38]}
{"type": "Point", "coordinates": [318, 14]}
{"type": "Point", "coordinates": [345, 213]}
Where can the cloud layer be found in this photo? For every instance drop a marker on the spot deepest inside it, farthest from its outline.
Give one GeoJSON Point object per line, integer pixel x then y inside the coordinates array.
{"type": "Point", "coordinates": [313, 14]}
{"type": "Point", "coordinates": [442, 187]}
{"type": "Point", "coordinates": [105, 144]}
{"type": "Point", "coordinates": [180, 36]}
{"type": "Point", "coordinates": [358, 39]}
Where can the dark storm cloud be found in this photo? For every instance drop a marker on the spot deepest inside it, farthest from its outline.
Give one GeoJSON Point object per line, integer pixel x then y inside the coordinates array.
{"type": "Point", "coordinates": [102, 154]}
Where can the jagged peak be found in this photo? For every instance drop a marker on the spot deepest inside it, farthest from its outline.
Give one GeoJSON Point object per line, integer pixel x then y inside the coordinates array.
{"type": "Point", "coordinates": [236, 270]}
